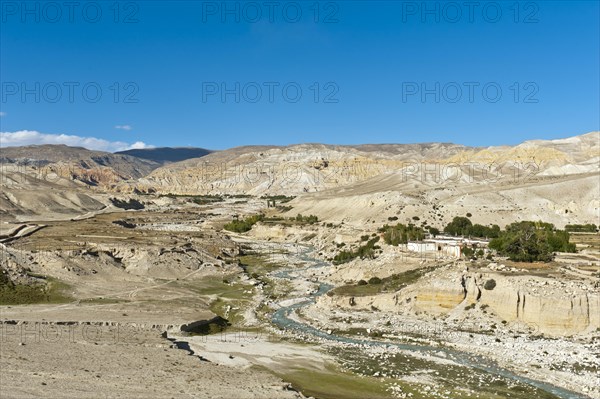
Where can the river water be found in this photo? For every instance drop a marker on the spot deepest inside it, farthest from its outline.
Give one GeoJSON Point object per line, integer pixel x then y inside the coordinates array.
{"type": "Point", "coordinates": [282, 319]}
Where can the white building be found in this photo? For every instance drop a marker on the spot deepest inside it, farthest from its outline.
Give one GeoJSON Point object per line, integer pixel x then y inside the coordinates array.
{"type": "Point", "coordinates": [445, 245]}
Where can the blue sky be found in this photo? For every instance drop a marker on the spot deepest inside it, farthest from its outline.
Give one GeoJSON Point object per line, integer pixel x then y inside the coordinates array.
{"type": "Point", "coordinates": [368, 72]}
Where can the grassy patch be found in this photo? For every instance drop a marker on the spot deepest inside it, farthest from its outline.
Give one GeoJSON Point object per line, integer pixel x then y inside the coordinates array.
{"type": "Point", "coordinates": [392, 283]}
{"type": "Point", "coordinates": [231, 301]}
{"type": "Point", "coordinates": [215, 286]}
{"type": "Point", "coordinates": [234, 315]}
{"type": "Point", "coordinates": [53, 291]}
{"type": "Point", "coordinates": [333, 384]}
{"type": "Point", "coordinates": [258, 264]}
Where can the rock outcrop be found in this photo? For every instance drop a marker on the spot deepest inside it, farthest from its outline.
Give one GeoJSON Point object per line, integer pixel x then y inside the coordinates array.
{"type": "Point", "coordinates": [547, 306]}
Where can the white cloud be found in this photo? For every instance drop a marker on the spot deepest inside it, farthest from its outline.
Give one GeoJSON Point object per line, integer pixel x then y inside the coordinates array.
{"type": "Point", "coordinates": [29, 137]}
{"type": "Point", "coordinates": [124, 127]}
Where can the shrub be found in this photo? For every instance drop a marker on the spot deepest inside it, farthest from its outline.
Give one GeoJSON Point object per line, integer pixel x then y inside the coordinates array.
{"type": "Point", "coordinates": [490, 284]}
{"type": "Point", "coordinates": [311, 219]}
{"type": "Point", "coordinates": [361, 282]}
{"type": "Point", "coordinates": [242, 226]}
{"type": "Point", "coordinates": [468, 252]}
{"type": "Point", "coordinates": [364, 238]}
{"type": "Point", "coordinates": [374, 280]}
{"type": "Point", "coordinates": [343, 257]}
{"type": "Point", "coordinates": [364, 251]}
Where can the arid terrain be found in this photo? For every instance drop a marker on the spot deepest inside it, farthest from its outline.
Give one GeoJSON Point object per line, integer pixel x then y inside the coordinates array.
{"type": "Point", "coordinates": [269, 272]}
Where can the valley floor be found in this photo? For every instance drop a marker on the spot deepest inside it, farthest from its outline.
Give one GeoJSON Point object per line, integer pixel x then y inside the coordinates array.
{"type": "Point", "coordinates": [139, 292]}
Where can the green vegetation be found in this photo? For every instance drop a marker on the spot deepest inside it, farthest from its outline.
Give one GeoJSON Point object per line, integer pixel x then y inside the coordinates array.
{"type": "Point", "coordinates": [206, 199]}
{"type": "Point", "coordinates": [364, 251]}
{"type": "Point", "coordinates": [433, 231]}
{"type": "Point", "coordinates": [462, 226]}
{"type": "Point", "coordinates": [17, 294]}
{"type": "Point", "coordinates": [531, 241]}
{"type": "Point", "coordinates": [258, 265]}
{"type": "Point", "coordinates": [459, 226]}
{"type": "Point", "coordinates": [334, 384]}
{"type": "Point", "coordinates": [273, 200]}
{"type": "Point", "coordinates": [242, 226]}
{"type": "Point", "coordinates": [581, 228]}
{"type": "Point", "coordinates": [232, 298]}
{"type": "Point", "coordinates": [468, 252]}
{"type": "Point", "coordinates": [490, 284]}
{"type": "Point", "coordinates": [311, 219]}
{"type": "Point", "coordinates": [376, 285]}
{"type": "Point", "coordinates": [394, 367]}
{"type": "Point", "coordinates": [401, 234]}
{"type": "Point", "coordinates": [374, 280]}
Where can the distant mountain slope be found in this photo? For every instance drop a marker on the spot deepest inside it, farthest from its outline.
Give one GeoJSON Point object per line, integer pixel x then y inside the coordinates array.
{"type": "Point", "coordinates": [167, 154]}
{"type": "Point", "coordinates": [288, 170]}
{"type": "Point", "coordinates": [95, 168]}
{"type": "Point", "coordinates": [305, 168]}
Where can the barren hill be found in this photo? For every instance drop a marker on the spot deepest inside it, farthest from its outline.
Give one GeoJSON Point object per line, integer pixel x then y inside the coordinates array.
{"type": "Point", "coordinates": [316, 167]}
{"type": "Point", "coordinates": [77, 163]}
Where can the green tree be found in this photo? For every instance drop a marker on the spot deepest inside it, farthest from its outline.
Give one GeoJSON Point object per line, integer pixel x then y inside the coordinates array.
{"type": "Point", "coordinates": [434, 231]}
{"type": "Point", "coordinates": [401, 234]}
{"type": "Point", "coordinates": [460, 226]}
{"type": "Point", "coordinates": [531, 241]}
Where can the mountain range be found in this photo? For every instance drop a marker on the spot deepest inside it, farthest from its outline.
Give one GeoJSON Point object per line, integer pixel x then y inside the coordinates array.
{"type": "Point", "coordinates": [553, 180]}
